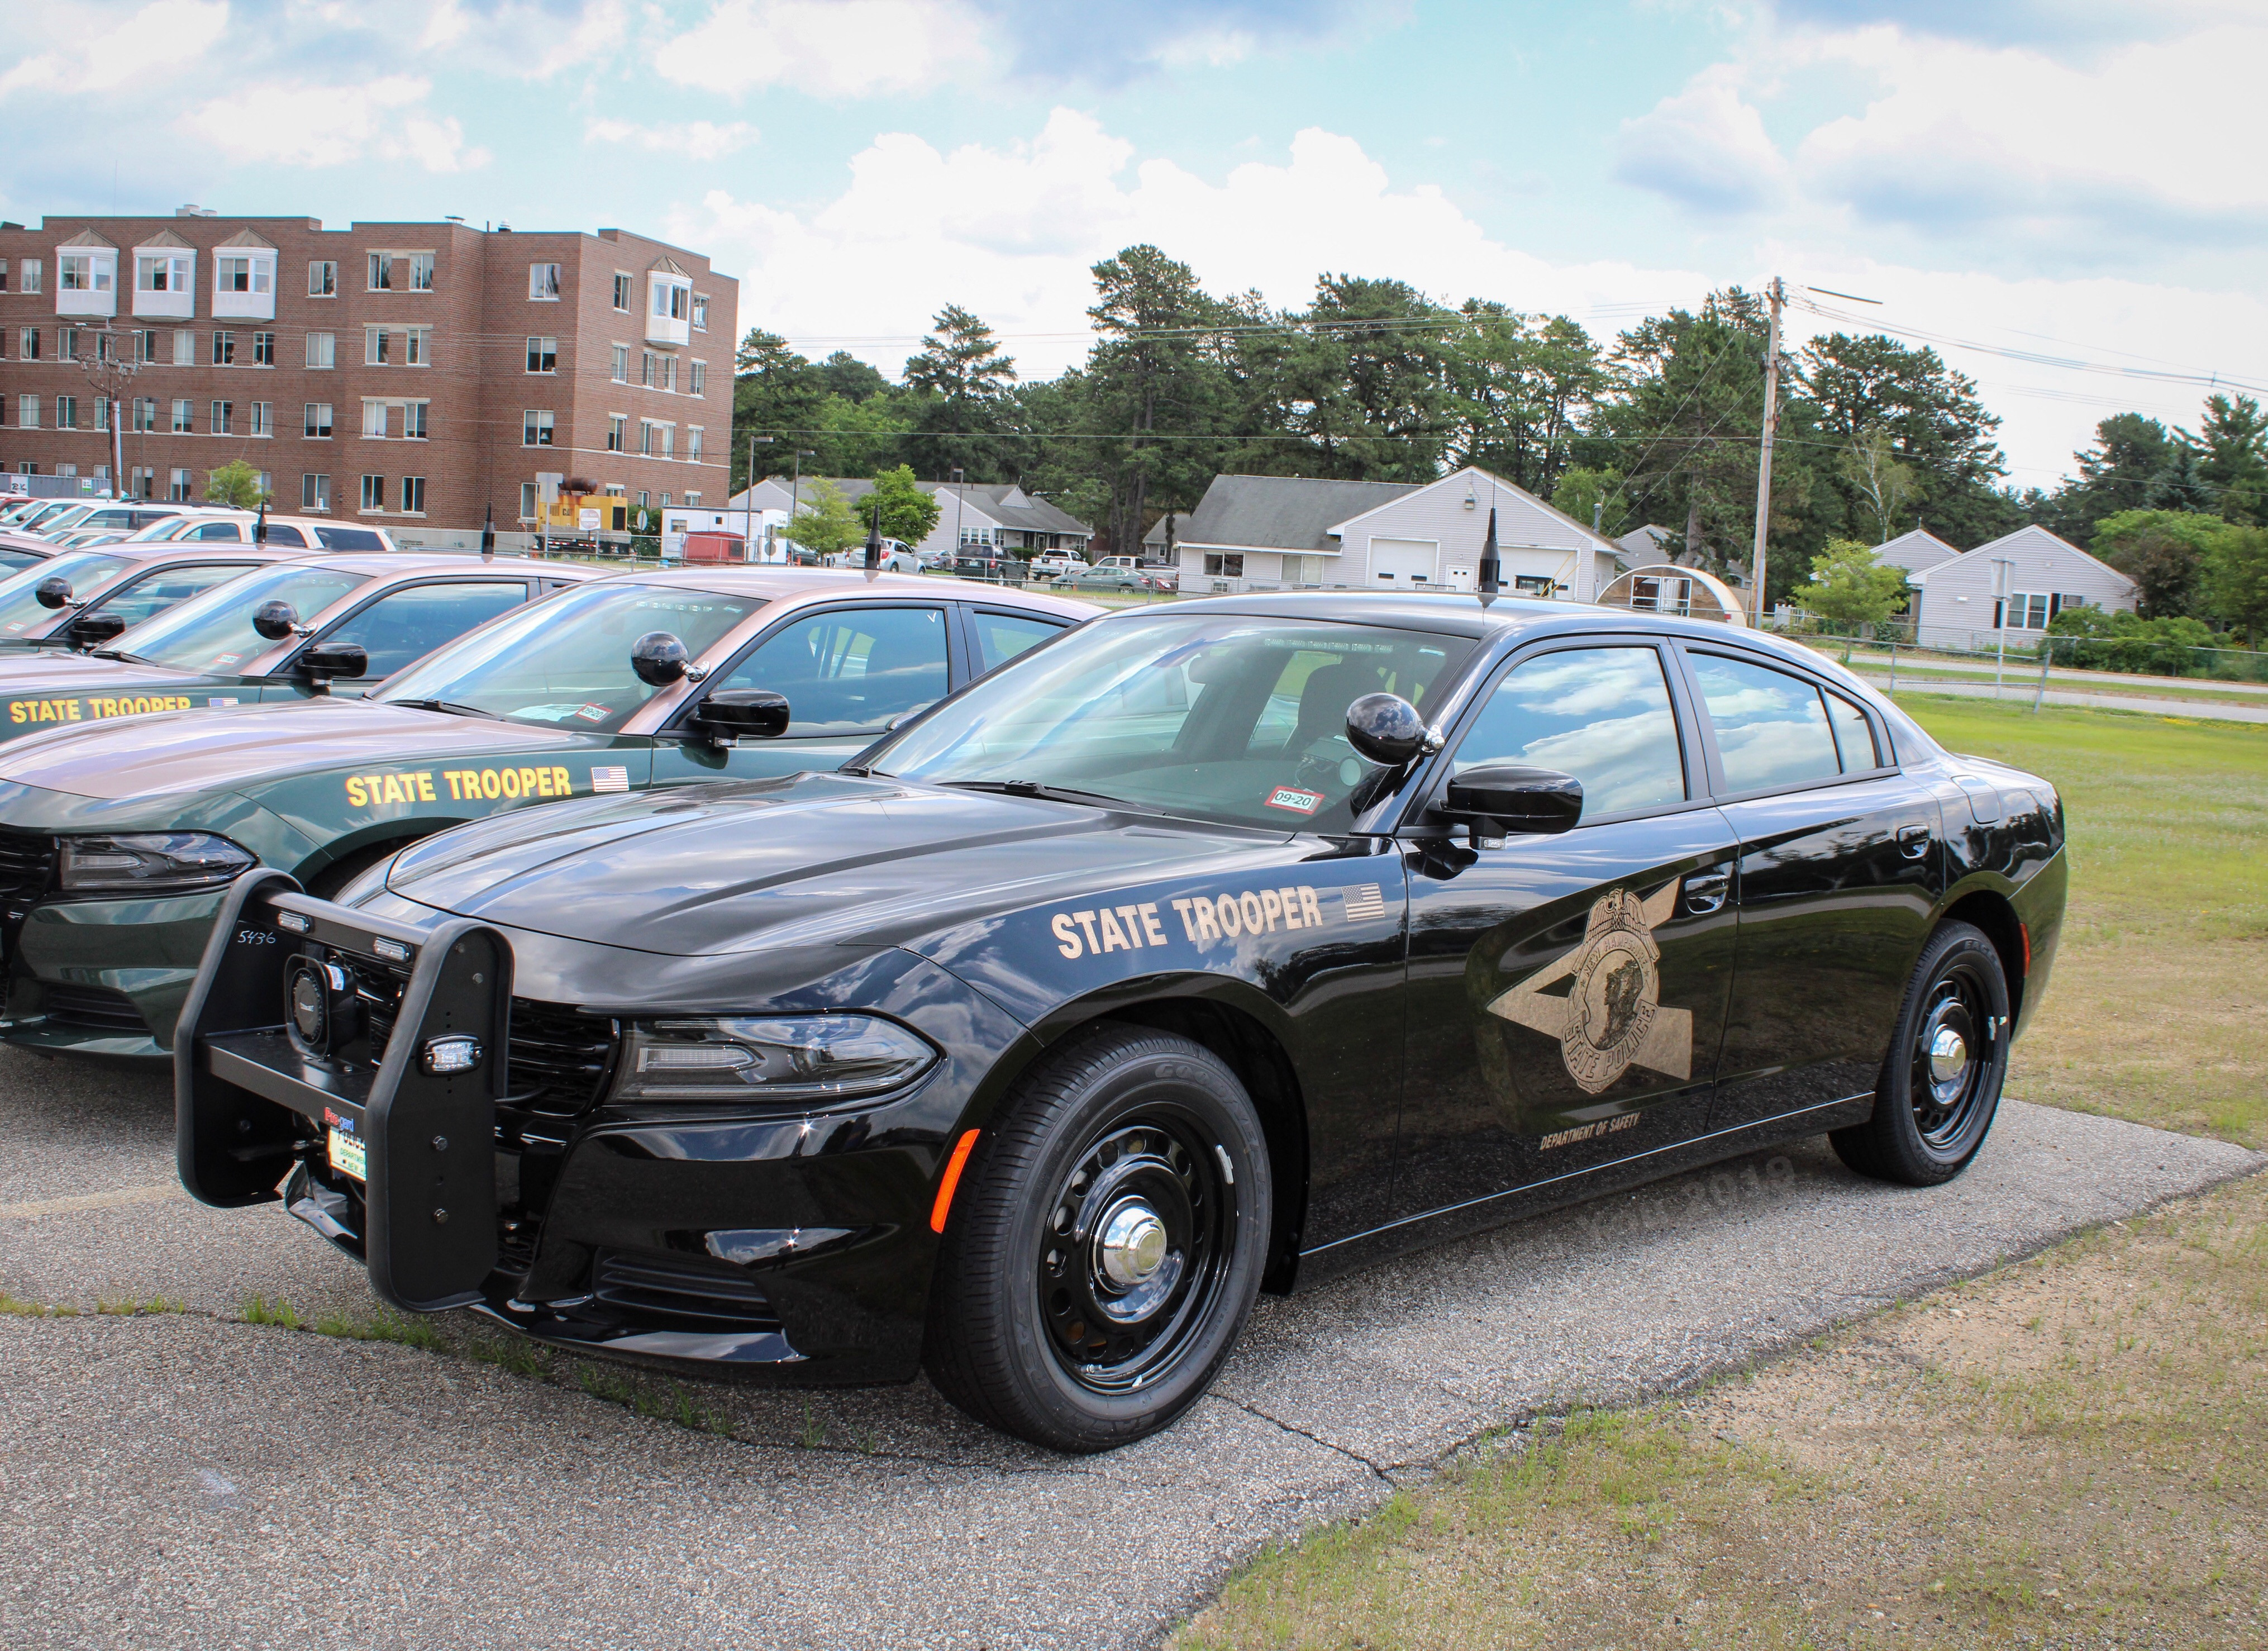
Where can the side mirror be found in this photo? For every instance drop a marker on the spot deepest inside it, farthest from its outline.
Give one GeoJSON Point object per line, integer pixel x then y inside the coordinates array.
{"type": "Point", "coordinates": [322, 661]}
{"type": "Point", "coordinates": [91, 630]}
{"type": "Point", "coordinates": [53, 591]}
{"type": "Point", "coordinates": [1385, 728]}
{"type": "Point", "coordinates": [1504, 798]}
{"type": "Point", "coordinates": [744, 713]}
{"type": "Point", "coordinates": [658, 659]}
{"type": "Point", "coordinates": [277, 621]}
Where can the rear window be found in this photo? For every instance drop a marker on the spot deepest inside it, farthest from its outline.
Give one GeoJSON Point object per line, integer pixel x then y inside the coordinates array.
{"type": "Point", "coordinates": [349, 539]}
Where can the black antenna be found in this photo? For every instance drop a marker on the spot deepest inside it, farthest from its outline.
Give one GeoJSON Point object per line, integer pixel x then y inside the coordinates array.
{"type": "Point", "coordinates": [260, 528]}
{"type": "Point", "coordinates": [488, 535]}
{"type": "Point", "coordinates": [1491, 571]}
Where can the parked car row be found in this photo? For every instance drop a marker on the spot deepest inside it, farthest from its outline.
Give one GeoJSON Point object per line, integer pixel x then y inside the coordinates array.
{"type": "Point", "coordinates": [835, 976]}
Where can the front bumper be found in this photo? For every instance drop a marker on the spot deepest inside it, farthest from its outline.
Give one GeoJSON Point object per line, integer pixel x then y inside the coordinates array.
{"type": "Point", "coordinates": [790, 1247]}
{"type": "Point", "coordinates": [106, 977]}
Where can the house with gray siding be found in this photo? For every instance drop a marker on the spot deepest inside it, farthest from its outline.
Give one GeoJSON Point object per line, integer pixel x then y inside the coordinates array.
{"type": "Point", "coordinates": [1306, 533]}
{"type": "Point", "coordinates": [1959, 603]}
{"type": "Point", "coordinates": [998, 514]}
{"type": "Point", "coordinates": [1914, 551]}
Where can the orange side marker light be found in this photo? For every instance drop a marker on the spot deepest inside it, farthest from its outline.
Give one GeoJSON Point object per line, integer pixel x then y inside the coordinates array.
{"type": "Point", "coordinates": [953, 1169]}
{"type": "Point", "coordinates": [2025, 929]}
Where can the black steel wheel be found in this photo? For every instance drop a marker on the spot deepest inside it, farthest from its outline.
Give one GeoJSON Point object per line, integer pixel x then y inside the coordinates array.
{"type": "Point", "coordinates": [1942, 1076]}
{"type": "Point", "coordinates": [1106, 1242]}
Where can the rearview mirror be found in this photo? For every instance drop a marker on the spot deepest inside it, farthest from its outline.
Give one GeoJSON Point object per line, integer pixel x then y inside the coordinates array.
{"type": "Point", "coordinates": [277, 621]}
{"type": "Point", "coordinates": [744, 713]}
{"type": "Point", "coordinates": [1502, 798]}
{"type": "Point", "coordinates": [1385, 728]}
{"type": "Point", "coordinates": [53, 591]}
{"type": "Point", "coordinates": [91, 630]}
{"type": "Point", "coordinates": [658, 659]}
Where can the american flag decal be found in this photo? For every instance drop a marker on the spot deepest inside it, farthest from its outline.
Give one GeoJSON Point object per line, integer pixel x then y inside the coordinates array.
{"type": "Point", "coordinates": [610, 779]}
{"type": "Point", "coordinates": [1363, 902]}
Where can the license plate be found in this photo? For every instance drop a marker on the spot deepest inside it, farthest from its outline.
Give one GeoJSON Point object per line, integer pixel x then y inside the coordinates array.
{"type": "Point", "coordinates": [349, 1155]}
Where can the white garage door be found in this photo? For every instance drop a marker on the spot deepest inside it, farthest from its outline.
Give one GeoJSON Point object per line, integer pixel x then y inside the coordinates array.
{"type": "Point", "coordinates": [1404, 561]}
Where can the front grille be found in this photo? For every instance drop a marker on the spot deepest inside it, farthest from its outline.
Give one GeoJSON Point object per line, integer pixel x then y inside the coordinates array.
{"type": "Point", "coordinates": [558, 1058]}
{"type": "Point", "coordinates": [679, 1286]}
{"type": "Point", "coordinates": [94, 1009]}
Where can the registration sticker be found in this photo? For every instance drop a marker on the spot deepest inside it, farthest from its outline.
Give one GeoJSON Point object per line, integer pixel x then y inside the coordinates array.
{"type": "Point", "coordinates": [1292, 799]}
{"type": "Point", "coordinates": [610, 779]}
{"type": "Point", "coordinates": [595, 713]}
{"type": "Point", "coordinates": [349, 1155]}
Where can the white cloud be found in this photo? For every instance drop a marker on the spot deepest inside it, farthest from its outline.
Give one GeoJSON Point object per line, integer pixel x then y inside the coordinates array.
{"type": "Point", "coordinates": [167, 37]}
{"type": "Point", "coordinates": [691, 140]}
{"type": "Point", "coordinates": [2143, 136]}
{"type": "Point", "coordinates": [532, 39]}
{"type": "Point", "coordinates": [293, 125]}
{"type": "Point", "coordinates": [1011, 232]}
{"type": "Point", "coordinates": [1703, 147]}
{"type": "Point", "coordinates": [828, 48]}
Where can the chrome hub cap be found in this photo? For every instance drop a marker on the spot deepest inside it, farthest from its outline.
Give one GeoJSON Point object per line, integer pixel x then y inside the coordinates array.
{"type": "Point", "coordinates": [1133, 1244]}
{"type": "Point", "coordinates": [1948, 1056]}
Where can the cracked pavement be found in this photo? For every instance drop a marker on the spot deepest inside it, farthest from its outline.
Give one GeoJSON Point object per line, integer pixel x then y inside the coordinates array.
{"type": "Point", "coordinates": [187, 1478]}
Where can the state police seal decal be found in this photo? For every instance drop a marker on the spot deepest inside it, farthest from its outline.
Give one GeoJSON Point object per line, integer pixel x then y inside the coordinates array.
{"type": "Point", "coordinates": [1611, 1017]}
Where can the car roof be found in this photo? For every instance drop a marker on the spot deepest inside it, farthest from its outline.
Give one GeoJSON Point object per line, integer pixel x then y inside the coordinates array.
{"type": "Point", "coordinates": [810, 585]}
{"type": "Point", "coordinates": [379, 563]}
{"type": "Point", "coordinates": [1462, 614]}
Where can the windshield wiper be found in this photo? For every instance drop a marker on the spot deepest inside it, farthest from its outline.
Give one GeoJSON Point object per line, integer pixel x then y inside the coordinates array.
{"type": "Point", "coordinates": [1033, 788]}
{"type": "Point", "coordinates": [121, 654]}
{"type": "Point", "coordinates": [449, 707]}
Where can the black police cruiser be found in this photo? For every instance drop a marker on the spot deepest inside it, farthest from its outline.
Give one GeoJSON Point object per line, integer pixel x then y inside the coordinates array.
{"type": "Point", "coordinates": [1203, 950]}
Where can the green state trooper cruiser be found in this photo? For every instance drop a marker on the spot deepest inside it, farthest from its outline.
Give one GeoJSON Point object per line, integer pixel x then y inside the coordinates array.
{"type": "Point", "coordinates": [367, 613]}
{"type": "Point", "coordinates": [116, 840]}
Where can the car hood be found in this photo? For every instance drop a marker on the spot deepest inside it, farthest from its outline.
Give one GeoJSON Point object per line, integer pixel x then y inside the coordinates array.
{"type": "Point", "coordinates": [806, 859]}
{"type": "Point", "coordinates": [230, 750]}
{"type": "Point", "coordinates": [34, 666]}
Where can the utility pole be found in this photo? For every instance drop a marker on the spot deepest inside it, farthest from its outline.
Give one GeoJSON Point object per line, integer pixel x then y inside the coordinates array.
{"type": "Point", "coordinates": [112, 373]}
{"type": "Point", "coordinates": [2003, 576]}
{"type": "Point", "coordinates": [1764, 462]}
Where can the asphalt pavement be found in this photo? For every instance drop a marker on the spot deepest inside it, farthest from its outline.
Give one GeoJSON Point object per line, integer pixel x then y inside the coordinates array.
{"type": "Point", "coordinates": [183, 1477]}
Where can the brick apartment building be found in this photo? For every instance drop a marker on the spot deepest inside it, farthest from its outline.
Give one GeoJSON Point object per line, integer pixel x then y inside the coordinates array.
{"type": "Point", "coordinates": [415, 374]}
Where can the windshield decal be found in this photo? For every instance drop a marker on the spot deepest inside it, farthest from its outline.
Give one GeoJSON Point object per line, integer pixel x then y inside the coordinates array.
{"type": "Point", "coordinates": [1292, 799]}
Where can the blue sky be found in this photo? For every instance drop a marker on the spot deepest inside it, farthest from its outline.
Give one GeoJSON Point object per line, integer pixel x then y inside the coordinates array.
{"type": "Point", "coordinates": [2016, 179]}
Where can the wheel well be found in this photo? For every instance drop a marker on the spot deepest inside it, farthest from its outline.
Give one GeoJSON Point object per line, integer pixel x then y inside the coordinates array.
{"type": "Point", "coordinates": [1262, 1066]}
{"type": "Point", "coordinates": [1991, 913]}
{"type": "Point", "coordinates": [326, 880]}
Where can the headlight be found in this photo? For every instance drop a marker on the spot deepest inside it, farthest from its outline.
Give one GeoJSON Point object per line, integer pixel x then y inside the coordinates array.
{"type": "Point", "coordinates": [152, 862]}
{"type": "Point", "coordinates": [783, 1058]}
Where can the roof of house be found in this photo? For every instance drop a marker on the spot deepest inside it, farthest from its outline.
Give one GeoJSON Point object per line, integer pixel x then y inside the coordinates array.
{"type": "Point", "coordinates": [1277, 512]}
{"type": "Point", "coordinates": [88, 237]}
{"type": "Point", "coordinates": [167, 238]}
{"type": "Point", "coordinates": [1914, 551]}
{"type": "Point", "coordinates": [246, 238]}
{"type": "Point", "coordinates": [1650, 542]}
{"type": "Point", "coordinates": [1003, 503]}
{"type": "Point", "coordinates": [2032, 537]}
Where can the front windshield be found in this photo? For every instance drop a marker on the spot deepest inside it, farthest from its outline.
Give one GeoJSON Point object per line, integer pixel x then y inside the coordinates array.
{"type": "Point", "coordinates": [20, 608]}
{"type": "Point", "coordinates": [213, 632]}
{"type": "Point", "coordinates": [1233, 719]}
{"type": "Point", "coordinates": [566, 661]}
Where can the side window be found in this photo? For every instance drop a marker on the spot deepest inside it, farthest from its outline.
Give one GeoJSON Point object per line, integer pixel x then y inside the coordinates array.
{"type": "Point", "coordinates": [282, 535]}
{"type": "Point", "coordinates": [1000, 638]}
{"type": "Point", "coordinates": [160, 591]}
{"type": "Point", "coordinates": [1852, 735]}
{"type": "Point", "coordinates": [1772, 729]}
{"type": "Point", "coordinates": [216, 532]}
{"type": "Point", "coordinates": [1601, 714]}
{"type": "Point", "coordinates": [851, 671]}
{"type": "Point", "coordinates": [407, 624]}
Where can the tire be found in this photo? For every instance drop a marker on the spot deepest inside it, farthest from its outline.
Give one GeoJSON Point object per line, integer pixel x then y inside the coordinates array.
{"type": "Point", "coordinates": [1041, 1328]}
{"type": "Point", "coordinates": [1929, 1120]}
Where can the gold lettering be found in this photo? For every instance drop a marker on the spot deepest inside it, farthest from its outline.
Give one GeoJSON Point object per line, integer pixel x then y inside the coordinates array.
{"type": "Point", "coordinates": [1208, 930]}
{"type": "Point", "coordinates": [1272, 907]}
{"type": "Point", "coordinates": [492, 787]}
{"type": "Point", "coordinates": [562, 785]}
{"type": "Point", "coordinates": [1069, 936]}
{"type": "Point", "coordinates": [1114, 937]}
{"type": "Point", "coordinates": [1085, 920]}
{"type": "Point", "coordinates": [1151, 930]}
{"type": "Point", "coordinates": [543, 783]}
{"type": "Point", "coordinates": [1311, 915]}
{"type": "Point", "coordinates": [1254, 913]}
{"type": "Point", "coordinates": [424, 788]}
{"type": "Point", "coordinates": [1231, 916]}
{"type": "Point", "coordinates": [1188, 927]}
{"type": "Point", "coordinates": [357, 796]}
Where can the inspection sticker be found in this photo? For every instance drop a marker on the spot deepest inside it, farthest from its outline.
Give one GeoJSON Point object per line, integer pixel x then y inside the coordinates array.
{"type": "Point", "coordinates": [348, 1156]}
{"type": "Point", "coordinates": [1292, 799]}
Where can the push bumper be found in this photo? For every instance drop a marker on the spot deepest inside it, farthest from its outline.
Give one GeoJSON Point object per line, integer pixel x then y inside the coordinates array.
{"type": "Point", "coordinates": [793, 1248]}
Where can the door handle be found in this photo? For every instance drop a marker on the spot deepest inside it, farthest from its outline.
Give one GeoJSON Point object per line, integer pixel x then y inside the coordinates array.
{"type": "Point", "coordinates": [1913, 841]}
{"type": "Point", "coordinates": [1705, 891]}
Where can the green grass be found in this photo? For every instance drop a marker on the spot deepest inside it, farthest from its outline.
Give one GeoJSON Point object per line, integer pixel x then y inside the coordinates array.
{"type": "Point", "coordinates": [2155, 1011]}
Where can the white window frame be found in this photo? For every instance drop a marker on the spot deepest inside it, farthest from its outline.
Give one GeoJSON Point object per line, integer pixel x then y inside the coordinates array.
{"type": "Point", "coordinates": [543, 284]}
{"type": "Point", "coordinates": [322, 277]}
{"type": "Point", "coordinates": [322, 351]}
{"type": "Point", "coordinates": [184, 416]}
{"type": "Point", "coordinates": [538, 427]}
{"type": "Point", "coordinates": [319, 422]}
{"type": "Point", "coordinates": [315, 493]}
{"type": "Point", "coordinates": [372, 485]}
{"type": "Point", "coordinates": [542, 354]}
{"type": "Point", "coordinates": [411, 484]}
